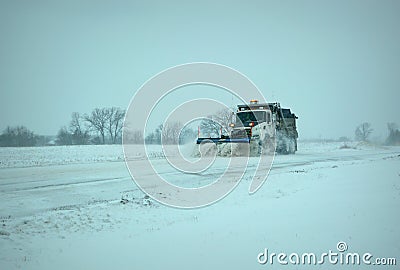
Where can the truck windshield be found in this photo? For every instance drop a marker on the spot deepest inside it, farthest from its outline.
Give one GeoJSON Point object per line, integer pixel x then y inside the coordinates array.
{"type": "Point", "coordinates": [250, 116]}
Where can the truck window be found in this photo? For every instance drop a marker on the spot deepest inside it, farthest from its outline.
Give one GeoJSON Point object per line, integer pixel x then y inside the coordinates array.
{"type": "Point", "coordinates": [250, 116]}
{"type": "Point", "coordinates": [268, 118]}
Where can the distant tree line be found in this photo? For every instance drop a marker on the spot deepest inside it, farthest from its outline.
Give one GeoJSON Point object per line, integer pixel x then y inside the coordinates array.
{"type": "Point", "coordinates": [394, 134]}
{"type": "Point", "coordinates": [364, 130]}
{"type": "Point", "coordinates": [171, 133]}
{"type": "Point", "coordinates": [167, 133]}
{"type": "Point", "coordinates": [19, 136]}
{"type": "Point", "coordinates": [101, 126]}
{"type": "Point", "coordinates": [104, 126]}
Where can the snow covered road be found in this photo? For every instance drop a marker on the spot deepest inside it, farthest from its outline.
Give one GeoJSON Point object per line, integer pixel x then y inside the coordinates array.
{"type": "Point", "coordinates": [311, 200]}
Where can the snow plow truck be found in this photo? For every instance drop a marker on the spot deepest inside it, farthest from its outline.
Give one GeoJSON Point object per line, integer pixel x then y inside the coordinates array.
{"type": "Point", "coordinates": [267, 127]}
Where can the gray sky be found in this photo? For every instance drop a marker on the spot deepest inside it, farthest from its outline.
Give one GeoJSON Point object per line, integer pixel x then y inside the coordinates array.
{"type": "Point", "coordinates": [334, 63]}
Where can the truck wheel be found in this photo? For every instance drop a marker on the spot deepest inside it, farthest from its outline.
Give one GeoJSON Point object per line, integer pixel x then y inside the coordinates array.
{"type": "Point", "coordinates": [287, 147]}
{"type": "Point", "coordinates": [292, 146]}
{"type": "Point", "coordinates": [267, 145]}
{"type": "Point", "coordinates": [284, 148]}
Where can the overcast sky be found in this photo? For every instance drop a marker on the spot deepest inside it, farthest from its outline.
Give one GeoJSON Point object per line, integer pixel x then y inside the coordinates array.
{"type": "Point", "coordinates": [334, 63]}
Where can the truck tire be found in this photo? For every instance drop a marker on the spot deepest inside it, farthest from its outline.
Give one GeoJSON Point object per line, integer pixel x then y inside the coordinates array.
{"type": "Point", "coordinates": [283, 148]}
{"type": "Point", "coordinates": [292, 146]}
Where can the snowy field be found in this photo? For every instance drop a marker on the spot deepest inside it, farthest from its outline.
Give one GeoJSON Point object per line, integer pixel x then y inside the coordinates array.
{"type": "Point", "coordinates": [77, 208]}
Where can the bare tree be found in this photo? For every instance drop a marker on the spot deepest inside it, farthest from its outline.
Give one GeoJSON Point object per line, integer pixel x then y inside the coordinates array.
{"type": "Point", "coordinates": [394, 134]}
{"type": "Point", "coordinates": [392, 127]}
{"type": "Point", "coordinates": [133, 136]}
{"type": "Point", "coordinates": [137, 136]}
{"type": "Point", "coordinates": [212, 126]}
{"type": "Point", "coordinates": [154, 137]}
{"type": "Point", "coordinates": [79, 133]}
{"type": "Point", "coordinates": [170, 132]}
{"type": "Point", "coordinates": [17, 136]}
{"type": "Point", "coordinates": [115, 122]}
{"type": "Point", "coordinates": [98, 120]}
{"type": "Point", "coordinates": [187, 135]}
{"type": "Point", "coordinates": [64, 137]}
{"type": "Point", "coordinates": [363, 131]}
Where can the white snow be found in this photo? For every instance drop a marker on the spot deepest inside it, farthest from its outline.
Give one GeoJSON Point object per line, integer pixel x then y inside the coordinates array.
{"type": "Point", "coordinates": [77, 208]}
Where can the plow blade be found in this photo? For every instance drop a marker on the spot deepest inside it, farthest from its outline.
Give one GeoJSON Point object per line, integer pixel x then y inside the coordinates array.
{"type": "Point", "coordinates": [222, 140]}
